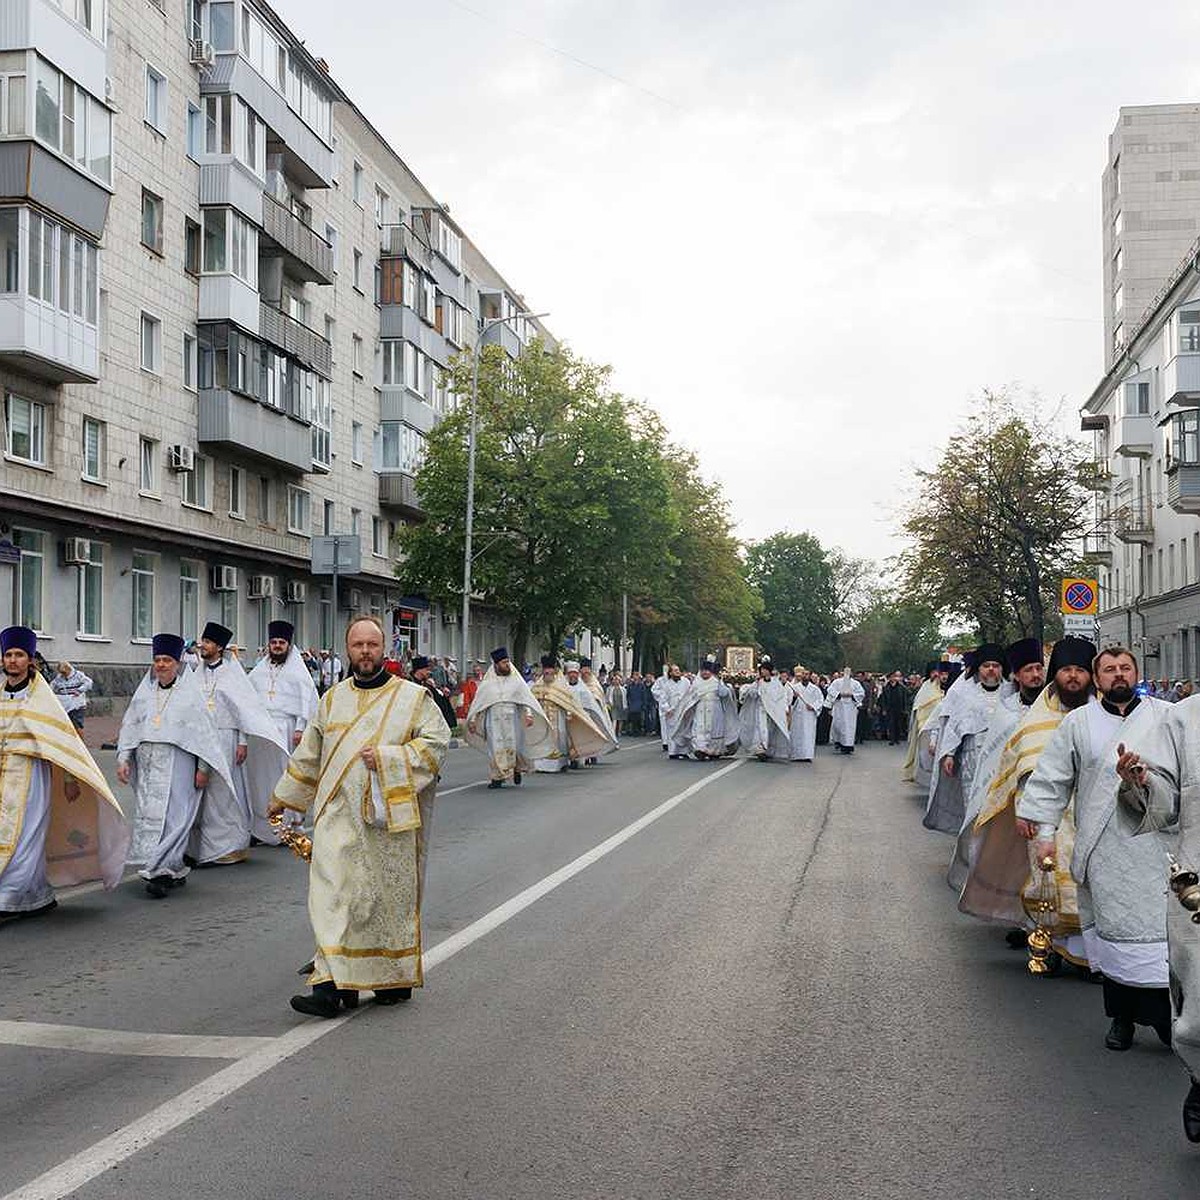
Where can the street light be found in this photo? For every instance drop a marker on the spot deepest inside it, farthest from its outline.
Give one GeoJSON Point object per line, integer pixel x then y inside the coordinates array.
{"type": "Point", "coordinates": [489, 323]}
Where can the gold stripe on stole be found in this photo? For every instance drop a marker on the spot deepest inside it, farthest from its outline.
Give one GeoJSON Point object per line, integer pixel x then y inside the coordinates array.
{"type": "Point", "coordinates": [13, 802]}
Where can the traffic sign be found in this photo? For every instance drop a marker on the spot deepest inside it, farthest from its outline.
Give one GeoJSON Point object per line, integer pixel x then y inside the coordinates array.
{"type": "Point", "coordinates": [336, 554]}
{"type": "Point", "coordinates": [1080, 625]}
{"type": "Point", "coordinates": [1080, 596]}
{"type": "Point", "coordinates": [10, 553]}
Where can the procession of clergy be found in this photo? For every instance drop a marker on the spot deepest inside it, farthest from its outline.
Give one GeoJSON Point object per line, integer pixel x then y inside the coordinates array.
{"type": "Point", "coordinates": [1069, 795]}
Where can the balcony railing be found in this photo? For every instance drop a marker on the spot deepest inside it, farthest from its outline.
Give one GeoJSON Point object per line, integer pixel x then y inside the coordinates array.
{"type": "Point", "coordinates": [1097, 547]}
{"type": "Point", "coordinates": [311, 254]}
{"type": "Point", "coordinates": [295, 338]}
{"type": "Point", "coordinates": [1095, 475]}
{"type": "Point", "coordinates": [399, 241]}
{"type": "Point", "coordinates": [398, 490]}
{"type": "Point", "coordinates": [1134, 523]}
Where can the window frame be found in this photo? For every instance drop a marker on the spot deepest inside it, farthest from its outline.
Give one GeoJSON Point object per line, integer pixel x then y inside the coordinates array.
{"type": "Point", "coordinates": [156, 330]}
{"type": "Point", "coordinates": [99, 476]}
{"type": "Point", "coordinates": [303, 527]}
{"type": "Point", "coordinates": [137, 573]}
{"type": "Point", "coordinates": [30, 555]}
{"type": "Point", "coordinates": [156, 115]}
{"type": "Point", "coordinates": [202, 469]}
{"type": "Point", "coordinates": [82, 595]}
{"type": "Point", "coordinates": [41, 427]}
{"type": "Point", "coordinates": [237, 492]}
{"type": "Point", "coordinates": [157, 210]}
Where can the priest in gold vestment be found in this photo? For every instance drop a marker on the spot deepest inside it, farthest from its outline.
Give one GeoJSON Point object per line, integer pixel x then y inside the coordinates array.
{"type": "Point", "coordinates": [364, 774]}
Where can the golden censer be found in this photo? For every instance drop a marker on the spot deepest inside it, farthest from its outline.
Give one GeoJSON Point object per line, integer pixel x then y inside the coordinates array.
{"type": "Point", "coordinates": [1185, 884]}
{"type": "Point", "coordinates": [296, 840]}
{"type": "Point", "coordinates": [1042, 906]}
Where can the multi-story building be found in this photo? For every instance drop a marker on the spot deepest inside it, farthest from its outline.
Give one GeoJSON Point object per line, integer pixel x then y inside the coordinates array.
{"type": "Point", "coordinates": [226, 307]}
{"type": "Point", "coordinates": [1150, 197]}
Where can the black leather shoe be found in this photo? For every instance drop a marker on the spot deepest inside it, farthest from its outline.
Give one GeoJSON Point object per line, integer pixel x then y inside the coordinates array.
{"type": "Point", "coordinates": [1191, 1113]}
{"type": "Point", "coordinates": [516, 779]}
{"type": "Point", "coordinates": [1120, 1035]}
{"type": "Point", "coordinates": [1164, 1034]}
{"type": "Point", "coordinates": [158, 887]}
{"type": "Point", "coordinates": [390, 996]}
{"type": "Point", "coordinates": [322, 1003]}
{"type": "Point", "coordinates": [347, 997]}
{"type": "Point", "coordinates": [1017, 939]}
{"type": "Point", "coordinates": [495, 785]}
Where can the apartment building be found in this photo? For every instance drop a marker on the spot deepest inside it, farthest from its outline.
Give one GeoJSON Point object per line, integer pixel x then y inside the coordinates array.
{"type": "Point", "coordinates": [1150, 198]}
{"type": "Point", "coordinates": [226, 307]}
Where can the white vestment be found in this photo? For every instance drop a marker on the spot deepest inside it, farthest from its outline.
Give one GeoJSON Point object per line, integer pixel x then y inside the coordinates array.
{"type": "Point", "coordinates": [1122, 896]}
{"type": "Point", "coordinates": [708, 718]}
{"type": "Point", "coordinates": [507, 723]}
{"type": "Point", "coordinates": [668, 694]}
{"type": "Point", "coordinates": [764, 719]}
{"type": "Point", "coordinates": [806, 706]}
{"type": "Point", "coordinates": [844, 698]}
{"type": "Point", "coordinates": [24, 884]}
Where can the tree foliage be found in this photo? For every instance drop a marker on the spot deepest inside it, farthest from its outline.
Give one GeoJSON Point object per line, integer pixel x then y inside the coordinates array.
{"type": "Point", "coordinates": [572, 503]}
{"type": "Point", "coordinates": [992, 528]}
{"type": "Point", "coordinates": [894, 634]}
{"type": "Point", "coordinates": [793, 576]}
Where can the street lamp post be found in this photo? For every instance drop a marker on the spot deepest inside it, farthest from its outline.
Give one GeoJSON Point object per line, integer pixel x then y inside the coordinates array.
{"type": "Point", "coordinates": [488, 324]}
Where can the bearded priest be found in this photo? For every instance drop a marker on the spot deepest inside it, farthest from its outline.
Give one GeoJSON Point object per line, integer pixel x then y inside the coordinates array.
{"type": "Point", "coordinates": [59, 822]}
{"type": "Point", "coordinates": [507, 723]}
{"type": "Point", "coordinates": [366, 772]}
{"type": "Point", "coordinates": [708, 717]}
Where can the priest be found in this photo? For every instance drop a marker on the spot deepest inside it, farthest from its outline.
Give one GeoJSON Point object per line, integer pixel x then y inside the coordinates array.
{"type": "Point", "coordinates": [1122, 908]}
{"type": "Point", "coordinates": [591, 700]}
{"type": "Point", "coordinates": [708, 715]}
{"type": "Point", "coordinates": [170, 749]}
{"type": "Point", "coordinates": [366, 772]}
{"type": "Point", "coordinates": [59, 822]}
{"type": "Point", "coordinates": [928, 697]}
{"type": "Point", "coordinates": [843, 699]}
{"type": "Point", "coordinates": [286, 689]}
{"type": "Point", "coordinates": [506, 723]}
{"type": "Point", "coordinates": [764, 717]}
{"type": "Point", "coordinates": [807, 701]}
{"type": "Point", "coordinates": [574, 735]}
{"type": "Point", "coordinates": [250, 741]}
{"type": "Point", "coordinates": [668, 691]}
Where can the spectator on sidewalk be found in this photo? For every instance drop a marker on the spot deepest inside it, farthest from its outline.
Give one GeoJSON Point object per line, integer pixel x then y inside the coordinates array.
{"type": "Point", "coordinates": [71, 686]}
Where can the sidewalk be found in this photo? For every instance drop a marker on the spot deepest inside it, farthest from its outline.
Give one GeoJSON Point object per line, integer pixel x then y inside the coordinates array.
{"type": "Point", "coordinates": [99, 731]}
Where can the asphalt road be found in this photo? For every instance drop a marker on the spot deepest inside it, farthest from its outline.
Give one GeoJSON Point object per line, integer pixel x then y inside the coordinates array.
{"type": "Point", "coordinates": [764, 992]}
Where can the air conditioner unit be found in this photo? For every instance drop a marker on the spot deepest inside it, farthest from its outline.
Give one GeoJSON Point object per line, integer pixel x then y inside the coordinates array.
{"type": "Point", "coordinates": [262, 587]}
{"type": "Point", "coordinates": [181, 458]}
{"type": "Point", "coordinates": [295, 592]}
{"type": "Point", "coordinates": [354, 600]}
{"type": "Point", "coordinates": [201, 53]}
{"type": "Point", "coordinates": [224, 579]}
{"type": "Point", "coordinates": [76, 552]}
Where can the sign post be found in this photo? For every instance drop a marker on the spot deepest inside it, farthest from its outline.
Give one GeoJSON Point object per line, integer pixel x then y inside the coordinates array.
{"type": "Point", "coordinates": [336, 554]}
{"type": "Point", "coordinates": [1079, 603]}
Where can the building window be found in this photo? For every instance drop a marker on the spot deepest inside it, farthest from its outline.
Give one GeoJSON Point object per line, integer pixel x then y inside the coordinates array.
{"type": "Point", "coordinates": [151, 342]}
{"type": "Point", "coordinates": [331, 236]}
{"type": "Point", "coordinates": [142, 573]}
{"type": "Point", "coordinates": [195, 131]}
{"type": "Point", "coordinates": [148, 466]}
{"type": "Point", "coordinates": [66, 118]}
{"type": "Point", "coordinates": [191, 246]}
{"type": "Point", "coordinates": [357, 184]}
{"type": "Point", "coordinates": [230, 245]}
{"type": "Point", "coordinates": [327, 518]}
{"type": "Point", "coordinates": [93, 450]}
{"type": "Point", "coordinates": [355, 522]}
{"type": "Point", "coordinates": [156, 99]}
{"type": "Point", "coordinates": [448, 244]}
{"type": "Point", "coordinates": [401, 448]}
{"type": "Point", "coordinates": [1184, 447]}
{"type": "Point", "coordinates": [356, 277]}
{"type": "Point", "coordinates": [189, 361]}
{"type": "Point", "coordinates": [330, 331]}
{"type": "Point", "coordinates": [325, 617]}
{"type": "Point", "coordinates": [90, 594]}
{"type": "Point", "coordinates": [1119, 298]}
{"type": "Point", "coordinates": [265, 513]}
{"type": "Point", "coordinates": [1118, 261]}
{"type": "Point", "coordinates": [10, 248]}
{"type": "Point", "coordinates": [152, 221]}
{"type": "Point", "coordinates": [25, 429]}
{"type": "Point", "coordinates": [378, 537]}
{"type": "Point", "coordinates": [229, 612]}
{"type": "Point", "coordinates": [381, 206]}
{"type": "Point", "coordinates": [30, 577]}
{"type": "Point", "coordinates": [356, 443]}
{"type": "Point", "coordinates": [1189, 330]}
{"type": "Point", "coordinates": [299, 504]}
{"type": "Point", "coordinates": [321, 416]}
{"type": "Point", "coordinates": [1137, 399]}
{"type": "Point", "coordinates": [63, 269]}
{"type": "Point", "coordinates": [189, 599]}
{"type": "Point", "coordinates": [197, 484]}
{"type": "Point", "coordinates": [237, 493]}
{"type": "Point", "coordinates": [356, 354]}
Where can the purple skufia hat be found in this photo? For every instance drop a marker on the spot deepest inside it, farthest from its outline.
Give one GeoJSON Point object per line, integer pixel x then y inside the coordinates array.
{"type": "Point", "coordinates": [167, 643]}
{"type": "Point", "coordinates": [18, 637]}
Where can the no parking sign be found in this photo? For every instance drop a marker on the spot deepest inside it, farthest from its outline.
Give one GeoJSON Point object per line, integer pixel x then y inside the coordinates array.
{"type": "Point", "coordinates": [1080, 597]}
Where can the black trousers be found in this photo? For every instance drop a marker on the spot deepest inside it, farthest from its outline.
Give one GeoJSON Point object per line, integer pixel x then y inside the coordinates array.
{"type": "Point", "coordinates": [1141, 1005]}
{"type": "Point", "coordinates": [897, 727]}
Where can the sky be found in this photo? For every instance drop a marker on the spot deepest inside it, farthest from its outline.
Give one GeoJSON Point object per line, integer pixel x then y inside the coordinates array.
{"type": "Point", "coordinates": [808, 234]}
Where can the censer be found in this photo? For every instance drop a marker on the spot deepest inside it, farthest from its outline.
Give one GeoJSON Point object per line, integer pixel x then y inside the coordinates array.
{"type": "Point", "coordinates": [296, 840]}
{"type": "Point", "coordinates": [1042, 907]}
{"type": "Point", "coordinates": [1185, 883]}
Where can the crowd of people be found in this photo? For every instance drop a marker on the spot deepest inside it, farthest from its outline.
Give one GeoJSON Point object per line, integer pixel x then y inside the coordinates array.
{"type": "Point", "coordinates": [1069, 787]}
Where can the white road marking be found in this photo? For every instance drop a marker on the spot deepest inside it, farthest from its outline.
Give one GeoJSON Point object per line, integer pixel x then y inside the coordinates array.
{"type": "Point", "coordinates": [120, 1041]}
{"type": "Point", "coordinates": [127, 1141]}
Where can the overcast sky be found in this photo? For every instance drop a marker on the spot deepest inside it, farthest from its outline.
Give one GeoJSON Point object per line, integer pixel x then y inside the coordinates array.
{"type": "Point", "coordinates": [807, 233]}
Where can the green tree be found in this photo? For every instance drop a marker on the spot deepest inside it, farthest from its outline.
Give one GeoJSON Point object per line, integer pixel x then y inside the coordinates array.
{"type": "Point", "coordinates": [572, 503]}
{"type": "Point", "coordinates": [704, 600]}
{"type": "Point", "coordinates": [893, 635]}
{"type": "Point", "coordinates": [993, 527]}
{"type": "Point", "coordinates": [794, 578]}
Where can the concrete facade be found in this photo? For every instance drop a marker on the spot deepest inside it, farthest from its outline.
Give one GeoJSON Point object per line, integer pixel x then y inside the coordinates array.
{"type": "Point", "coordinates": [1150, 202]}
{"type": "Point", "coordinates": [246, 353]}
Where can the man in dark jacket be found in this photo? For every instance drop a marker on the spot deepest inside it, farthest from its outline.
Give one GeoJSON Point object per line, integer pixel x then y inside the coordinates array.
{"type": "Point", "coordinates": [635, 704]}
{"type": "Point", "coordinates": [423, 674]}
{"type": "Point", "coordinates": [895, 701]}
